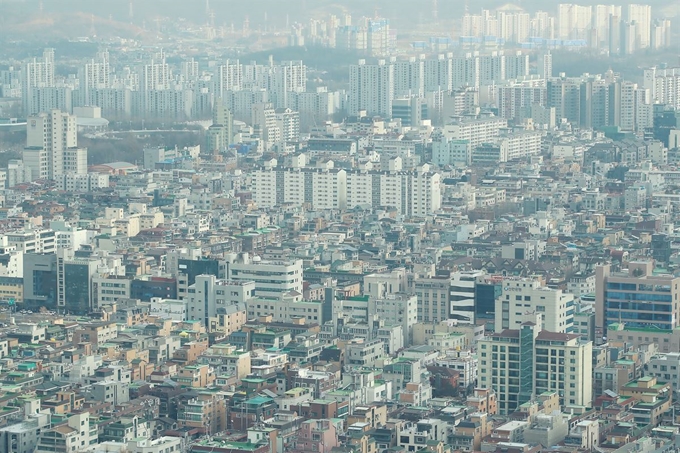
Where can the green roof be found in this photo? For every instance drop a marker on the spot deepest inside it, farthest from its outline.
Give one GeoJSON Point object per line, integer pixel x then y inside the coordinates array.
{"type": "Point", "coordinates": [358, 298]}
{"type": "Point", "coordinates": [259, 400]}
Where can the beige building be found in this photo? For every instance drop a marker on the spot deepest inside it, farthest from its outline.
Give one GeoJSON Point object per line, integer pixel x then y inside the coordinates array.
{"type": "Point", "coordinates": [226, 360]}
{"type": "Point", "coordinates": [523, 298]}
{"type": "Point", "coordinates": [559, 362]}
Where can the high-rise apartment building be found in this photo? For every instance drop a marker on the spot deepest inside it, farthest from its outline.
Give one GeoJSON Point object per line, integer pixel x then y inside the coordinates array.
{"type": "Point", "coordinates": [263, 119]}
{"type": "Point", "coordinates": [664, 85]}
{"type": "Point", "coordinates": [574, 21]}
{"type": "Point", "coordinates": [564, 93]}
{"type": "Point", "coordinates": [409, 77]}
{"type": "Point", "coordinates": [52, 146]}
{"type": "Point", "coordinates": [288, 122]}
{"type": "Point", "coordinates": [94, 75]}
{"type": "Point", "coordinates": [321, 188]}
{"type": "Point", "coordinates": [519, 364]}
{"type": "Point", "coordinates": [37, 73]}
{"type": "Point", "coordinates": [640, 16]}
{"type": "Point", "coordinates": [371, 88]}
{"type": "Point", "coordinates": [221, 133]}
{"type": "Point", "coordinates": [412, 193]}
{"type": "Point", "coordinates": [438, 73]}
{"type": "Point", "coordinates": [639, 297]}
{"type": "Point", "coordinates": [601, 22]}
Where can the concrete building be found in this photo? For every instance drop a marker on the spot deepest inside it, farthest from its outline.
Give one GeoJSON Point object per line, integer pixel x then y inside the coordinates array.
{"type": "Point", "coordinates": [518, 364]}
{"type": "Point", "coordinates": [36, 73]}
{"type": "Point", "coordinates": [272, 278]}
{"type": "Point", "coordinates": [547, 429]}
{"type": "Point", "coordinates": [210, 297]}
{"type": "Point", "coordinates": [637, 297]}
{"type": "Point", "coordinates": [448, 151]}
{"type": "Point", "coordinates": [321, 188]}
{"type": "Point", "coordinates": [665, 367]}
{"type": "Point", "coordinates": [52, 146]}
{"type": "Point", "coordinates": [221, 133]}
{"type": "Point", "coordinates": [23, 437]}
{"type": "Point", "coordinates": [371, 88]}
{"type": "Point", "coordinates": [78, 433]}
{"type": "Point", "coordinates": [524, 299]}
{"type": "Point", "coordinates": [475, 131]}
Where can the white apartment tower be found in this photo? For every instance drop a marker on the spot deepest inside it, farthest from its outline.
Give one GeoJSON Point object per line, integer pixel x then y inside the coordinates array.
{"type": "Point", "coordinates": [229, 77]}
{"type": "Point", "coordinates": [371, 88]}
{"type": "Point", "coordinates": [53, 138]}
{"type": "Point", "coordinates": [438, 73]}
{"type": "Point", "coordinates": [37, 73]}
{"type": "Point", "coordinates": [263, 119]}
{"type": "Point", "coordinates": [574, 21]}
{"type": "Point", "coordinates": [94, 75]}
{"type": "Point", "coordinates": [641, 17]}
{"type": "Point", "coordinates": [409, 77]}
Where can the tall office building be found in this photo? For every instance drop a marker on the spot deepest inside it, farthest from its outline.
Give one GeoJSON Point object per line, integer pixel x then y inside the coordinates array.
{"type": "Point", "coordinates": [462, 296]}
{"type": "Point", "coordinates": [638, 297]}
{"type": "Point", "coordinates": [433, 295]}
{"type": "Point", "coordinates": [40, 280]}
{"type": "Point", "coordinates": [74, 282]}
{"type": "Point", "coordinates": [52, 146]}
{"type": "Point", "coordinates": [520, 364]}
{"type": "Point", "coordinates": [371, 88]}
{"type": "Point", "coordinates": [37, 73]}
